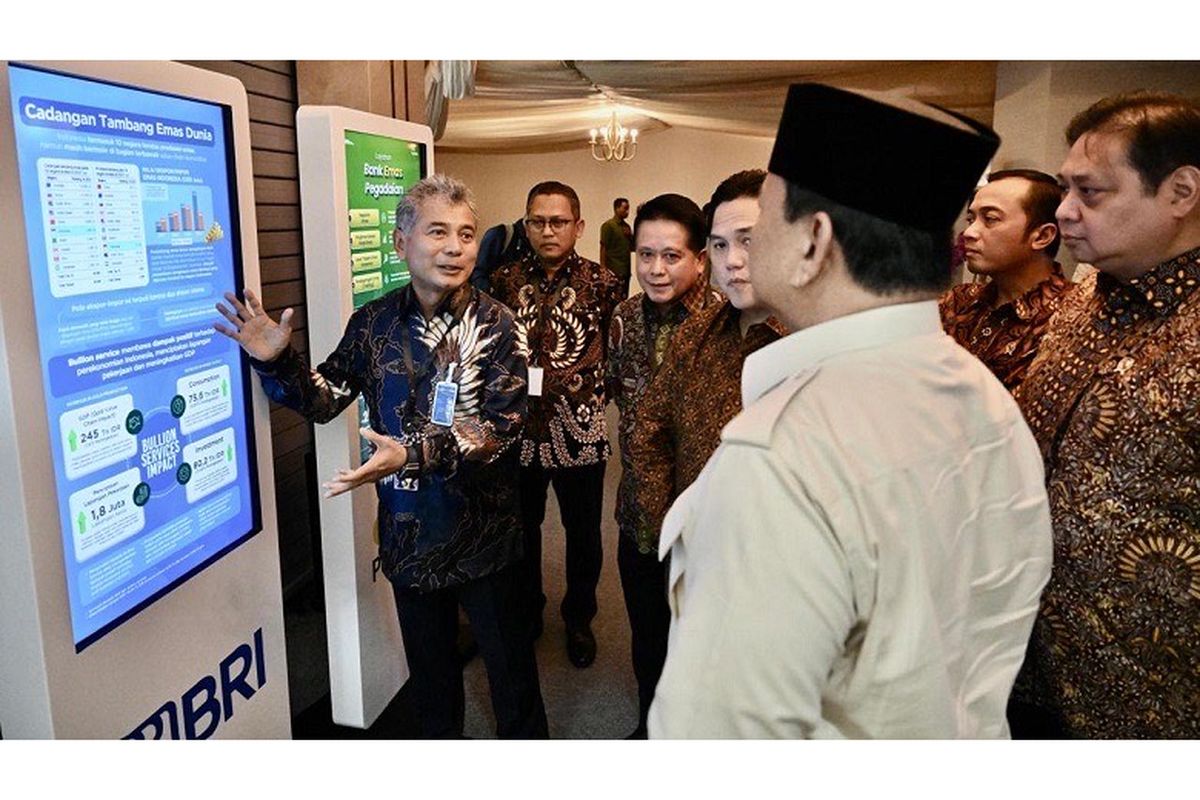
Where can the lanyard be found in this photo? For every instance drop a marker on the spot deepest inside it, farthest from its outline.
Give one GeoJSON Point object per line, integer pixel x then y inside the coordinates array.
{"type": "Point", "coordinates": [415, 375]}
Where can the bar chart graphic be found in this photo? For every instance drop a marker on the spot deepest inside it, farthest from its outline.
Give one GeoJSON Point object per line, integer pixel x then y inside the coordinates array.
{"type": "Point", "coordinates": [185, 213]}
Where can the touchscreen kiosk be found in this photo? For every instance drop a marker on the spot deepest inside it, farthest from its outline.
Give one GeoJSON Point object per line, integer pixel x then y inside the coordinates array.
{"type": "Point", "coordinates": [354, 168]}
{"type": "Point", "coordinates": [136, 214]}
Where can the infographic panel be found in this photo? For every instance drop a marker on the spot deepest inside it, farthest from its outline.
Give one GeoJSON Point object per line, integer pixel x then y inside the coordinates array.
{"type": "Point", "coordinates": [379, 170]}
{"type": "Point", "coordinates": [129, 206]}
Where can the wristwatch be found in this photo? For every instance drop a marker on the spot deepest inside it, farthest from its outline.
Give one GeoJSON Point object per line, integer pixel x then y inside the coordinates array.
{"type": "Point", "coordinates": [412, 460]}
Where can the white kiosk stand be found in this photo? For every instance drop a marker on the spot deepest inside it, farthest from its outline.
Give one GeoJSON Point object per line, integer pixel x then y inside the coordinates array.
{"type": "Point", "coordinates": [139, 567]}
{"type": "Point", "coordinates": [354, 167]}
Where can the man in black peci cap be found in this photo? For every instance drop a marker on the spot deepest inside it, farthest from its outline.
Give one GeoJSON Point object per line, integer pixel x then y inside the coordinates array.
{"type": "Point", "coordinates": [863, 554]}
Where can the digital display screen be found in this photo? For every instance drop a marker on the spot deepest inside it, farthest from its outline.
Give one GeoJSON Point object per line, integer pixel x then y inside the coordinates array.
{"type": "Point", "coordinates": [379, 171]}
{"type": "Point", "coordinates": [131, 215]}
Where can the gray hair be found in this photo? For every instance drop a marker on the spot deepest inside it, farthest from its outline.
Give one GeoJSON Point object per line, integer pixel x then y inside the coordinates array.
{"type": "Point", "coordinates": [438, 184]}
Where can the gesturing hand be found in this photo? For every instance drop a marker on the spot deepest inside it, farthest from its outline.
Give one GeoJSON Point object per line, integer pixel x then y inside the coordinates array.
{"type": "Point", "coordinates": [389, 456]}
{"type": "Point", "coordinates": [253, 329]}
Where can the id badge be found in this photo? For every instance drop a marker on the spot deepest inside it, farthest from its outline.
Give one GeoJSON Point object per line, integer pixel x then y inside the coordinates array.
{"type": "Point", "coordinates": [535, 381]}
{"type": "Point", "coordinates": [445, 395]}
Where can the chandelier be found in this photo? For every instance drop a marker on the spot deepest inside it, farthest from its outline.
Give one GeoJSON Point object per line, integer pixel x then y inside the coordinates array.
{"type": "Point", "coordinates": [613, 142]}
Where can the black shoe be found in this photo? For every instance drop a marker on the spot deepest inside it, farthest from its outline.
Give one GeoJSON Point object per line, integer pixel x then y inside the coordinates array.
{"type": "Point", "coordinates": [581, 646]}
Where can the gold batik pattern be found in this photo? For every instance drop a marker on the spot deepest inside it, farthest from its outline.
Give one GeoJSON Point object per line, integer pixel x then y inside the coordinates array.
{"type": "Point", "coordinates": [1114, 401]}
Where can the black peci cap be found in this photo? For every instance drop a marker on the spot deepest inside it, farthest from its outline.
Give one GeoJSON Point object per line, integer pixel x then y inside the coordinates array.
{"type": "Point", "coordinates": [892, 157]}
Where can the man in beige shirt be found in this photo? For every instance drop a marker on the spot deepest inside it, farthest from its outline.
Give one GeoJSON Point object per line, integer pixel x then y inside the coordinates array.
{"type": "Point", "coordinates": [863, 555]}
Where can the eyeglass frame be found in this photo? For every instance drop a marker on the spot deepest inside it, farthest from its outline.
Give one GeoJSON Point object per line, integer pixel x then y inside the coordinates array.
{"type": "Point", "coordinates": [539, 224]}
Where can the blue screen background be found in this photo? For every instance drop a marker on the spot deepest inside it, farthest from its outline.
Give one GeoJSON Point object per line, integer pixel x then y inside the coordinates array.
{"type": "Point", "coordinates": [132, 239]}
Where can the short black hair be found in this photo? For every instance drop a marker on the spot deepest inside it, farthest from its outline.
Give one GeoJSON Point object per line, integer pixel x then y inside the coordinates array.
{"type": "Point", "coordinates": [747, 183]}
{"type": "Point", "coordinates": [883, 257]}
{"type": "Point", "coordinates": [618, 201]}
{"type": "Point", "coordinates": [1161, 131]}
{"type": "Point", "coordinates": [675, 208]}
{"type": "Point", "coordinates": [1040, 203]}
{"type": "Point", "coordinates": [553, 187]}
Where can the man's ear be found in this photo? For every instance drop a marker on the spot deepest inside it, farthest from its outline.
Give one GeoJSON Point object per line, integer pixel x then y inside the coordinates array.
{"type": "Point", "coordinates": [1043, 235]}
{"type": "Point", "coordinates": [398, 242]}
{"type": "Point", "coordinates": [816, 240]}
{"type": "Point", "coordinates": [1183, 187]}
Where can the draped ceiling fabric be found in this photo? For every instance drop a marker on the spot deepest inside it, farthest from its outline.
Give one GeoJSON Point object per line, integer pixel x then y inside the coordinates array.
{"type": "Point", "coordinates": [538, 106]}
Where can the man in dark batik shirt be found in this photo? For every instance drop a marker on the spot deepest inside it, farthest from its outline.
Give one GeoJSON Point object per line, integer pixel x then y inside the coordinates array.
{"type": "Point", "coordinates": [449, 531]}
{"type": "Point", "coordinates": [563, 304]}
{"type": "Point", "coordinates": [669, 257]}
{"type": "Point", "coordinates": [1113, 399]}
{"type": "Point", "coordinates": [1012, 238]}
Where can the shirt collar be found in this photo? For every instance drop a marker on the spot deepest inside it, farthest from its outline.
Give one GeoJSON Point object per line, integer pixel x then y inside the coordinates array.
{"type": "Point", "coordinates": [1024, 306]}
{"type": "Point", "coordinates": [727, 317]}
{"type": "Point", "coordinates": [1162, 289]}
{"type": "Point", "coordinates": [767, 368]}
{"type": "Point", "coordinates": [533, 264]}
{"type": "Point", "coordinates": [695, 299]}
{"type": "Point", "coordinates": [451, 304]}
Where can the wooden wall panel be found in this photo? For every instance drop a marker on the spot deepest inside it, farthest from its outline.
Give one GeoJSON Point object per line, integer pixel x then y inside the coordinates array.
{"type": "Point", "coordinates": [277, 191]}
{"type": "Point", "coordinates": [278, 218]}
{"type": "Point", "coordinates": [257, 80]}
{"type": "Point", "coordinates": [269, 164]}
{"type": "Point", "coordinates": [285, 268]}
{"type": "Point", "coordinates": [275, 138]}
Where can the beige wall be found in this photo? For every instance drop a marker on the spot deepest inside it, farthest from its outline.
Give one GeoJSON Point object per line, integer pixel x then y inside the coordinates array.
{"type": "Point", "coordinates": [676, 160]}
{"type": "Point", "coordinates": [1035, 100]}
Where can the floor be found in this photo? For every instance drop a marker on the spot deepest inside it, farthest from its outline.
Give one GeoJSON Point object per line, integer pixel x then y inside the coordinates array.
{"type": "Point", "coordinates": [599, 702]}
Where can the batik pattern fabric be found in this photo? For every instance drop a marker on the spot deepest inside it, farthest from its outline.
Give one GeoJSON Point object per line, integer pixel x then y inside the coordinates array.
{"type": "Point", "coordinates": [639, 340]}
{"type": "Point", "coordinates": [458, 518]}
{"type": "Point", "coordinates": [697, 390]}
{"type": "Point", "coordinates": [1114, 401]}
{"type": "Point", "coordinates": [561, 326]}
{"type": "Point", "coordinates": [1004, 337]}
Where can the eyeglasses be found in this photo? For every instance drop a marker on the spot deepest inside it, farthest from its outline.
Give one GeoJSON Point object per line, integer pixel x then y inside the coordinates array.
{"type": "Point", "coordinates": [557, 224]}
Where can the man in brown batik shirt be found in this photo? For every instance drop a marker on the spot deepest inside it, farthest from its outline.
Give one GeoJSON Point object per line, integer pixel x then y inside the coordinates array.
{"type": "Point", "coordinates": [699, 387]}
{"type": "Point", "coordinates": [669, 256]}
{"type": "Point", "coordinates": [1114, 401]}
{"type": "Point", "coordinates": [563, 303]}
{"type": "Point", "coordinates": [1011, 238]}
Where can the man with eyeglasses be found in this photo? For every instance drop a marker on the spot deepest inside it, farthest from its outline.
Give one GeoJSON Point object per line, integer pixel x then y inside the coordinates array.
{"type": "Point", "coordinates": [563, 304]}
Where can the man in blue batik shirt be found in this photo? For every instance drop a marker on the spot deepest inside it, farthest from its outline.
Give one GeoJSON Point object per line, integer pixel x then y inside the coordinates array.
{"type": "Point", "coordinates": [445, 387]}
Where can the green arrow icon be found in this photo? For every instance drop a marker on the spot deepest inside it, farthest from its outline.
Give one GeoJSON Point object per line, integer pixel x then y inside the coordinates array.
{"type": "Point", "coordinates": [224, 388]}
{"type": "Point", "coordinates": [229, 452]}
{"type": "Point", "coordinates": [73, 440]}
{"type": "Point", "coordinates": [82, 522]}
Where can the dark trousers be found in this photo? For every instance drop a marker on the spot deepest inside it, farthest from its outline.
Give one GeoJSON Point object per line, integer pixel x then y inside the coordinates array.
{"type": "Point", "coordinates": [644, 583]}
{"type": "Point", "coordinates": [429, 627]}
{"type": "Point", "coordinates": [580, 493]}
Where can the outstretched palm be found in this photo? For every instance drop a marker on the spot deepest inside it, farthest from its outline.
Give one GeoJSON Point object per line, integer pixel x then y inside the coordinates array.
{"type": "Point", "coordinates": [253, 328]}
